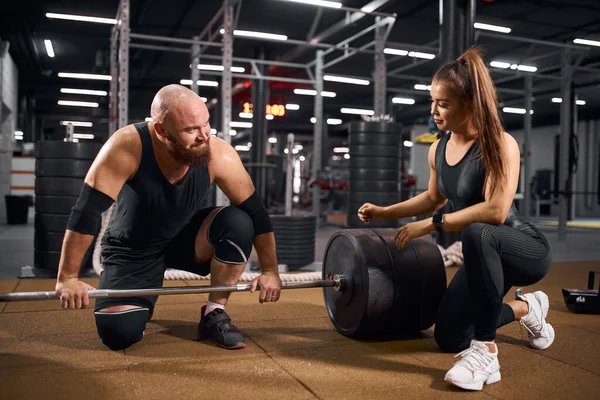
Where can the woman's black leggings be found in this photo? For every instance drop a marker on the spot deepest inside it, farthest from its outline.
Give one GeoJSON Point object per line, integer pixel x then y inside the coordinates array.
{"type": "Point", "coordinates": [495, 259]}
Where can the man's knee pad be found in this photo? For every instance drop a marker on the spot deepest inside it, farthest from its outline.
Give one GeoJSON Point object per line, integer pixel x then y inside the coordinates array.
{"type": "Point", "coordinates": [119, 330]}
{"type": "Point", "coordinates": [231, 232]}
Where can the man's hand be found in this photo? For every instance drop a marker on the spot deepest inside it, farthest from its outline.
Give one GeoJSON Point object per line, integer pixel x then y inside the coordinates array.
{"type": "Point", "coordinates": [412, 230]}
{"type": "Point", "coordinates": [270, 286]}
{"type": "Point", "coordinates": [73, 293]}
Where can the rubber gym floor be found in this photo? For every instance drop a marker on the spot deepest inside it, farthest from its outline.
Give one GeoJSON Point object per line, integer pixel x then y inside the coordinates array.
{"type": "Point", "coordinates": [292, 352]}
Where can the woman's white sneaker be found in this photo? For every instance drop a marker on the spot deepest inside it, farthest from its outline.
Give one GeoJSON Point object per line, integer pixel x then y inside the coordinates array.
{"type": "Point", "coordinates": [541, 334]}
{"type": "Point", "coordinates": [478, 366]}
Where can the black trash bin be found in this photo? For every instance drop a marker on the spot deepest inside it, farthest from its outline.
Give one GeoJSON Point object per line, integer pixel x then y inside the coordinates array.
{"type": "Point", "coordinates": [17, 209]}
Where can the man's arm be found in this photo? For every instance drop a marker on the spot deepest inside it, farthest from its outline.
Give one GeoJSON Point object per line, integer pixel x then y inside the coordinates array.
{"type": "Point", "coordinates": [233, 179]}
{"type": "Point", "coordinates": [116, 162]}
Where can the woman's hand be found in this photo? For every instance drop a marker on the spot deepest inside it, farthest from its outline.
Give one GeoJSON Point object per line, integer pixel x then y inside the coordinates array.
{"type": "Point", "coordinates": [370, 212]}
{"type": "Point", "coordinates": [412, 230]}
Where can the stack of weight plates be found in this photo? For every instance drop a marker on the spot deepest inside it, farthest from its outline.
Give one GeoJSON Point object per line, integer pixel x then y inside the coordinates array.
{"type": "Point", "coordinates": [60, 168]}
{"type": "Point", "coordinates": [295, 239]}
{"type": "Point", "coordinates": [374, 169]}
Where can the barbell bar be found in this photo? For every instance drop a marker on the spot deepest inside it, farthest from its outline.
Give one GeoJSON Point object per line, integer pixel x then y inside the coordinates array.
{"type": "Point", "coordinates": [337, 282]}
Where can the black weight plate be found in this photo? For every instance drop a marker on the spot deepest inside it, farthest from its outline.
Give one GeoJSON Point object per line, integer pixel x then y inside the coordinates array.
{"type": "Point", "coordinates": [293, 247]}
{"type": "Point", "coordinates": [375, 127]}
{"type": "Point", "coordinates": [46, 259]}
{"type": "Point", "coordinates": [381, 139]}
{"type": "Point", "coordinates": [374, 162]}
{"type": "Point", "coordinates": [54, 204]}
{"type": "Point", "coordinates": [364, 174]}
{"type": "Point", "coordinates": [66, 168]}
{"type": "Point", "coordinates": [369, 150]}
{"type": "Point", "coordinates": [373, 186]}
{"type": "Point", "coordinates": [294, 232]}
{"type": "Point", "coordinates": [354, 222]}
{"type": "Point", "coordinates": [378, 198]}
{"type": "Point", "coordinates": [290, 238]}
{"type": "Point", "coordinates": [50, 222]}
{"type": "Point", "coordinates": [296, 253]}
{"type": "Point", "coordinates": [47, 241]}
{"type": "Point", "coordinates": [349, 252]}
{"type": "Point", "coordinates": [70, 150]}
{"type": "Point", "coordinates": [51, 186]}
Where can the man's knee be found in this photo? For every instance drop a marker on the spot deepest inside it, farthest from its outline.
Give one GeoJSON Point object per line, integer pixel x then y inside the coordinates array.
{"type": "Point", "coordinates": [231, 232]}
{"type": "Point", "coordinates": [119, 330]}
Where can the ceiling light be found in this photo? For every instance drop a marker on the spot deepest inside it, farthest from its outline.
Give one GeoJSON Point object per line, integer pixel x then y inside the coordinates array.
{"type": "Point", "coordinates": [556, 100]}
{"type": "Point", "coordinates": [310, 92]}
{"type": "Point", "coordinates": [236, 124]}
{"type": "Point", "coordinates": [396, 52]}
{"type": "Point", "coordinates": [199, 83]}
{"type": "Point", "coordinates": [84, 76]}
{"type": "Point", "coordinates": [83, 136]}
{"type": "Point", "coordinates": [587, 42]}
{"type": "Point", "coordinates": [295, 151]}
{"type": "Point", "coordinates": [313, 120]}
{"type": "Point", "coordinates": [301, 158]}
{"type": "Point", "coordinates": [403, 100]}
{"type": "Point", "coordinates": [515, 110]}
{"type": "Point", "coordinates": [500, 64]}
{"type": "Point", "coordinates": [18, 133]}
{"type": "Point", "coordinates": [333, 121]}
{"type": "Point", "coordinates": [269, 116]}
{"type": "Point", "coordinates": [419, 54]}
{"type": "Point", "coordinates": [49, 48]}
{"type": "Point", "coordinates": [232, 132]}
{"type": "Point", "coordinates": [293, 107]}
{"type": "Point", "coordinates": [580, 102]}
{"type": "Point", "coordinates": [77, 123]}
{"type": "Point", "coordinates": [77, 103]}
{"type": "Point", "coordinates": [408, 143]}
{"type": "Point", "coordinates": [526, 68]}
{"type": "Point", "coordinates": [245, 115]}
{"type": "Point", "coordinates": [84, 91]}
{"type": "Point", "coordinates": [213, 131]}
{"type": "Point", "coordinates": [323, 3]}
{"type": "Point", "coordinates": [347, 156]}
{"type": "Point", "coordinates": [240, 147]}
{"type": "Point", "coordinates": [211, 67]}
{"type": "Point", "coordinates": [341, 150]}
{"type": "Point", "coordinates": [252, 34]}
{"type": "Point", "coordinates": [148, 119]}
{"type": "Point", "coordinates": [272, 140]}
{"type": "Point", "coordinates": [357, 111]}
{"type": "Point", "coordinates": [488, 27]}
{"type": "Point", "coordinates": [420, 86]}
{"type": "Point", "coordinates": [81, 18]}
{"type": "Point", "coordinates": [343, 79]}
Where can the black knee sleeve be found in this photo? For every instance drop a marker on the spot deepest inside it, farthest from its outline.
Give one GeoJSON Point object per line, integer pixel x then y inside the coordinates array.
{"type": "Point", "coordinates": [119, 330]}
{"type": "Point", "coordinates": [231, 232]}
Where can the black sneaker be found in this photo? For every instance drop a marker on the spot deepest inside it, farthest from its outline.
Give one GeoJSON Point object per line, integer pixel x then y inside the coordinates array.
{"type": "Point", "coordinates": [217, 326]}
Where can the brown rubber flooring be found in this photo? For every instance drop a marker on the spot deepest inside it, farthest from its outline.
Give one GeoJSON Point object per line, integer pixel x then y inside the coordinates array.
{"type": "Point", "coordinates": [293, 352]}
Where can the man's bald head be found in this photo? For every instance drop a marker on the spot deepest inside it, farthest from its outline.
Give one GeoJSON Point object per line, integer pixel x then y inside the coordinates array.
{"type": "Point", "coordinates": [175, 99]}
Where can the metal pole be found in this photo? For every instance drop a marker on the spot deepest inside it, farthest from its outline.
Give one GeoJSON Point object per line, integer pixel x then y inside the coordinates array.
{"type": "Point", "coordinates": [318, 135]}
{"type": "Point", "coordinates": [260, 97]}
{"type": "Point", "coordinates": [589, 164]}
{"type": "Point", "coordinates": [222, 200]}
{"type": "Point", "coordinates": [470, 12]}
{"type": "Point", "coordinates": [195, 56]}
{"type": "Point", "coordinates": [289, 177]}
{"type": "Point", "coordinates": [337, 282]}
{"type": "Point", "coordinates": [565, 128]}
{"type": "Point", "coordinates": [124, 65]}
{"type": "Point", "coordinates": [113, 111]}
{"type": "Point", "coordinates": [447, 36]}
{"type": "Point", "coordinates": [574, 130]}
{"type": "Point", "coordinates": [380, 69]}
{"type": "Point", "coordinates": [527, 148]}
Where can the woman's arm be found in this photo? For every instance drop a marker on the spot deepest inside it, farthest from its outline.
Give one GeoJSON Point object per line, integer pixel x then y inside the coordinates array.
{"type": "Point", "coordinates": [494, 209]}
{"type": "Point", "coordinates": [426, 202]}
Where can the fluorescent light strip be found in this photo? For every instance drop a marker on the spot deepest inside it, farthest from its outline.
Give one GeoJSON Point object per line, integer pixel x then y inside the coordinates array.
{"type": "Point", "coordinates": [488, 27]}
{"type": "Point", "coordinates": [333, 121]}
{"type": "Point", "coordinates": [77, 103]}
{"type": "Point", "coordinates": [395, 52]}
{"type": "Point", "coordinates": [83, 136]}
{"type": "Point", "coordinates": [310, 92]}
{"type": "Point", "coordinates": [82, 18]}
{"type": "Point", "coordinates": [77, 123]}
{"type": "Point", "coordinates": [343, 79]}
{"type": "Point", "coordinates": [505, 65]}
{"type": "Point", "coordinates": [84, 76]}
{"type": "Point", "coordinates": [357, 111]}
{"type": "Point", "coordinates": [323, 3]}
{"type": "Point", "coordinates": [516, 110]}
{"type": "Point", "coordinates": [272, 140]}
{"type": "Point", "coordinates": [240, 147]}
{"type": "Point", "coordinates": [199, 83]}
{"type": "Point", "coordinates": [292, 107]}
{"type": "Point", "coordinates": [211, 67]}
{"type": "Point", "coordinates": [246, 115]}
{"type": "Point", "coordinates": [415, 54]}
{"type": "Point", "coordinates": [313, 119]}
{"type": "Point", "coordinates": [500, 64]}
{"type": "Point", "coordinates": [84, 91]}
{"type": "Point", "coordinates": [408, 143]}
{"type": "Point", "coordinates": [260, 35]}
{"type": "Point", "coordinates": [269, 116]}
{"type": "Point", "coordinates": [341, 149]}
{"type": "Point", "coordinates": [578, 102]}
{"type": "Point", "coordinates": [420, 86]}
{"type": "Point", "coordinates": [587, 42]}
{"type": "Point", "coordinates": [526, 68]}
{"type": "Point", "coordinates": [49, 48]}
{"type": "Point", "coordinates": [236, 124]}
{"type": "Point", "coordinates": [232, 132]}
{"type": "Point", "coordinates": [148, 119]}
{"type": "Point", "coordinates": [403, 100]}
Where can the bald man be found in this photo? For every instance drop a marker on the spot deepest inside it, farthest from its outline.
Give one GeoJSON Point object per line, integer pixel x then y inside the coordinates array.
{"type": "Point", "coordinates": [159, 174]}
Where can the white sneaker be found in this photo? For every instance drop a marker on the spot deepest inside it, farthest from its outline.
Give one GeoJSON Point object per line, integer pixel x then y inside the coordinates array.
{"type": "Point", "coordinates": [476, 367]}
{"type": "Point", "coordinates": [541, 333]}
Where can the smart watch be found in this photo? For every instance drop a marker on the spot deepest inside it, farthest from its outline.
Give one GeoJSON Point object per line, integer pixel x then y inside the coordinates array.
{"type": "Point", "coordinates": [438, 222]}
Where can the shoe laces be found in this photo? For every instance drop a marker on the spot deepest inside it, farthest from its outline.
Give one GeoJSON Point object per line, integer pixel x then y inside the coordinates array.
{"type": "Point", "coordinates": [475, 358]}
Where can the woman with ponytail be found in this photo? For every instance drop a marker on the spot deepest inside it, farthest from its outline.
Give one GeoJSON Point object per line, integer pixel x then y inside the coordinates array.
{"type": "Point", "coordinates": [475, 167]}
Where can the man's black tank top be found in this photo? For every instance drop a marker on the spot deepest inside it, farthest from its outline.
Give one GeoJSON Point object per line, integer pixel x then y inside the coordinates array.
{"type": "Point", "coordinates": [463, 183]}
{"type": "Point", "coordinates": [150, 210]}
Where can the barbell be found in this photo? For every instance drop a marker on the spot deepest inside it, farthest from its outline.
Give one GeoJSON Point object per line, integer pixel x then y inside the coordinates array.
{"type": "Point", "coordinates": [377, 288]}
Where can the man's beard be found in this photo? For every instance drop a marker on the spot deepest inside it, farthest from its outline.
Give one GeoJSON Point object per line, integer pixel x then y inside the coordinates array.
{"type": "Point", "coordinates": [197, 155]}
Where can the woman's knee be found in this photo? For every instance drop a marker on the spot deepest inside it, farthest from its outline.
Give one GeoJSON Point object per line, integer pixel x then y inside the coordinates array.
{"type": "Point", "coordinates": [120, 330]}
{"type": "Point", "coordinates": [450, 341]}
{"type": "Point", "coordinates": [474, 234]}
